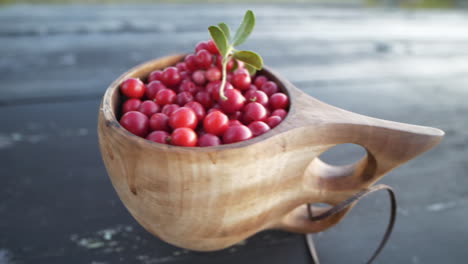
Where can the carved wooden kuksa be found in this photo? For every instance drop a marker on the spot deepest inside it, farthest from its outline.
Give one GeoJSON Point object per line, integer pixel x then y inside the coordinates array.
{"type": "Point", "coordinates": [210, 198]}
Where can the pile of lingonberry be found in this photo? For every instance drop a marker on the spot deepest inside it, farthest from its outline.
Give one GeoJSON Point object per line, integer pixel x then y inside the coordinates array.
{"type": "Point", "coordinates": [181, 105]}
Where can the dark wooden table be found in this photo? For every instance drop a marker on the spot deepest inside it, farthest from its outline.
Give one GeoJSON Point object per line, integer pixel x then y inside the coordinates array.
{"type": "Point", "coordinates": [58, 206]}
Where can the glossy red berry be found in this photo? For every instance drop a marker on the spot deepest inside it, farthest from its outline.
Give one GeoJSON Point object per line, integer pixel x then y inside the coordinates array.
{"type": "Point", "coordinates": [131, 104]}
{"type": "Point", "coordinates": [213, 89]}
{"type": "Point", "coordinates": [241, 80]}
{"type": "Point", "coordinates": [132, 88]}
{"type": "Point", "coordinates": [202, 45]}
{"type": "Point", "coordinates": [260, 80]}
{"type": "Point", "coordinates": [273, 121]}
{"type": "Point", "coordinates": [183, 98]}
{"type": "Point", "coordinates": [204, 98]}
{"type": "Point", "coordinates": [229, 65]}
{"type": "Point", "coordinates": [236, 134]}
{"type": "Point", "coordinates": [280, 112]}
{"type": "Point", "coordinates": [257, 96]}
{"type": "Point", "coordinates": [153, 88]}
{"type": "Point", "coordinates": [159, 121]}
{"type": "Point", "coordinates": [204, 59]}
{"type": "Point", "coordinates": [278, 101]}
{"type": "Point", "coordinates": [234, 102]}
{"type": "Point", "coordinates": [165, 96]}
{"type": "Point", "coordinates": [198, 77]}
{"type": "Point", "coordinates": [254, 111]}
{"type": "Point", "coordinates": [171, 76]}
{"type": "Point", "coordinates": [234, 122]}
{"type": "Point", "coordinates": [136, 123]}
{"type": "Point", "coordinates": [184, 137]}
{"type": "Point", "coordinates": [183, 117]}
{"type": "Point", "coordinates": [188, 86]}
{"type": "Point", "coordinates": [169, 109]}
{"type": "Point", "coordinates": [235, 116]}
{"type": "Point", "coordinates": [197, 108]}
{"type": "Point", "coordinates": [159, 137]}
{"type": "Point", "coordinates": [213, 74]}
{"type": "Point", "coordinates": [258, 128]}
{"type": "Point", "coordinates": [269, 88]}
{"type": "Point", "coordinates": [215, 123]}
{"type": "Point", "coordinates": [155, 76]}
{"type": "Point", "coordinates": [208, 140]}
{"type": "Point", "coordinates": [211, 47]}
{"type": "Point", "coordinates": [181, 66]}
{"type": "Point", "coordinates": [191, 62]}
{"type": "Point", "coordinates": [148, 108]}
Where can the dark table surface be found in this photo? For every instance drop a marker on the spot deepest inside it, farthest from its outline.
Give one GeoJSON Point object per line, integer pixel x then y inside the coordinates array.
{"type": "Point", "coordinates": [57, 204]}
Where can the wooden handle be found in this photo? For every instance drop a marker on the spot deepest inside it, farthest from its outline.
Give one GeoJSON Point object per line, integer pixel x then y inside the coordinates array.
{"type": "Point", "coordinates": [388, 145]}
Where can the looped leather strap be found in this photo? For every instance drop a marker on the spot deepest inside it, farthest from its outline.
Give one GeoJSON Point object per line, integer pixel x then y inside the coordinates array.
{"type": "Point", "coordinates": [339, 207]}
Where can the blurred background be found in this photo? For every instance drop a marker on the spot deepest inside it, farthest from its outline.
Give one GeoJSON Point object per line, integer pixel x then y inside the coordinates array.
{"type": "Point", "coordinates": [405, 61]}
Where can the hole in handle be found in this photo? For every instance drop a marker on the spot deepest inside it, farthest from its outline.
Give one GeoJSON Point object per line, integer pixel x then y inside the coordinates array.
{"type": "Point", "coordinates": [343, 154]}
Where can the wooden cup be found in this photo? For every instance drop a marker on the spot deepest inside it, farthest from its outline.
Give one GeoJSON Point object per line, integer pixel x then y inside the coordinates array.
{"type": "Point", "coordinates": [210, 198]}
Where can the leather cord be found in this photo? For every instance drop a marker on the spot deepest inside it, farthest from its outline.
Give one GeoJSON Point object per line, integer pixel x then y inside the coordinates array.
{"type": "Point", "coordinates": [344, 204]}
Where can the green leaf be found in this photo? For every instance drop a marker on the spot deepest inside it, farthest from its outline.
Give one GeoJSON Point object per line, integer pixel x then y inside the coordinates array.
{"type": "Point", "coordinates": [250, 69]}
{"type": "Point", "coordinates": [249, 57]}
{"type": "Point", "coordinates": [219, 39]}
{"type": "Point", "coordinates": [225, 29]}
{"type": "Point", "coordinates": [244, 29]}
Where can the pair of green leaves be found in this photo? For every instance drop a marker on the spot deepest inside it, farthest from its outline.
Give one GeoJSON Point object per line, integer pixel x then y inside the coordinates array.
{"type": "Point", "coordinates": [221, 36]}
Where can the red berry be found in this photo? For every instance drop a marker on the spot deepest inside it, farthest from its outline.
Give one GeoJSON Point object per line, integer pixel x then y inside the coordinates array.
{"type": "Point", "coordinates": [148, 108]}
{"type": "Point", "coordinates": [229, 65]}
{"type": "Point", "coordinates": [191, 62]}
{"type": "Point", "coordinates": [269, 88]}
{"type": "Point", "coordinates": [254, 112]}
{"type": "Point", "coordinates": [259, 97]}
{"type": "Point", "coordinates": [215, 123]}
{"type": "Point", "coordinates": [204, 99]}
{"type": "Point", "coordinates": [187, 86]}
{"type": "Point", "coordinates": [183, 98]}
{"type": "Point", "coordinates": [165, 96]}
{"type": "Point", "coordinates": [208, 140]}
{"type": "Point", "coordinates": [131, 104]}
{"type": "Point", "coordinates": [159, 121]}
{"type": "Point", "coordinates": [155, 76]}
{"type": "Point", "coordinates": [234, 102]}
{"type": "Point", "coordinates": [171, 76]}
{"type": "Point", "coordinates": [258, 128]}
{"type": "Point", "coordinates": [241, 80]}
{"type": "Point", "coordinates": [169, 109]}
{"type": "Point", "coordinates": [234, 122]}
{"type": "Point", "coordinates": [213, 109]}
{"type": "Point", "coordinates": [202, 45]}
{"type": "Point", "coordinates": [235, 116]}
{"type": "Point", "coordinates": [197, 108]}
{"type": "Point", "coordinates": [279, 101]}
{"type": "Point", "coordinates": [184, 137]}
{"type": "Point", "coordinates": [184, 75]}
{"type": "Point", "coordinates": [135, 122]}
{"type": "Point", "coordinates": [204, 59]}
{"type": "Point", "coordinates": [213, 74]}
{"type": "Point", "coordinates": [211, 47]}
{"type": "Point", "coordinates": [158, 137]}
{"type": "Point", "coordinates": [181, 66]}
{"type": "Point", "coordinates": [236, 134]}
{"type": "Point", "coordinates": [198, 77]}
{"type": "Point", "coordinates": [213, 89]}
{"type": "Point", "coordinates": [132, 88]}
{"type": "Point", "coordinates": [260, 80]}
{"type": "Point", "coordinates": [153, 88]}
{"type": "Point", "coordinates": [280, 112]}
{"type": "Point", "coordinates": [273, 121]}
{"type": "Point", "coordinates": [183, 117]}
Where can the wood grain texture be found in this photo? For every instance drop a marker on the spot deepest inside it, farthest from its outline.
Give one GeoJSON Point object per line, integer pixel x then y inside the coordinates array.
{"type": "Point", "coordinates": [210, 198]}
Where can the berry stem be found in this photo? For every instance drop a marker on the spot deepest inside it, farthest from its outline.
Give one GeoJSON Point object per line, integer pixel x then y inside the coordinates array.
{"type": "Point", "coordinates": [224, 77]}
